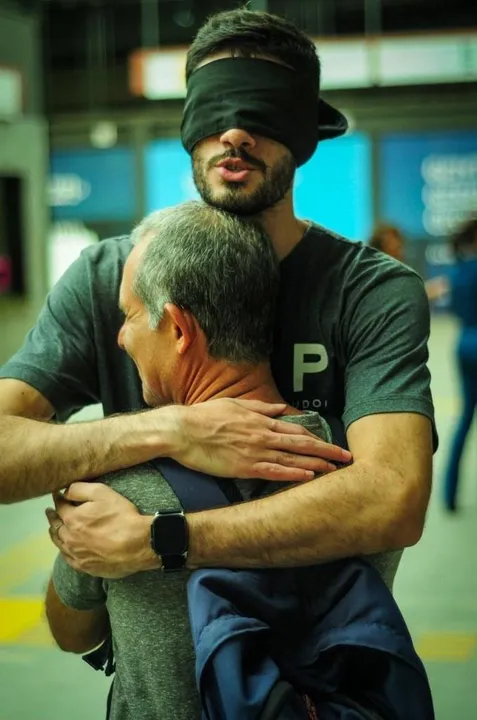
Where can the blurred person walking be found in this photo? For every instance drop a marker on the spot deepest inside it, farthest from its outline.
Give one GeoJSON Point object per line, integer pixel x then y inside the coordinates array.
{"type": "Point", "coordinates": [463, 304]}
{"type": "Point", "coordinates": [389, 240]}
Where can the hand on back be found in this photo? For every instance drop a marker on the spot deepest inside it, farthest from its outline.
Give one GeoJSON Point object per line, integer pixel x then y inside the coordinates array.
{"type": "Point", "coordinates": [247, 439]}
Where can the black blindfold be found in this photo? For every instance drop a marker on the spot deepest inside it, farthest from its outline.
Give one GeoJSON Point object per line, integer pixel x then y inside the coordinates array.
{"type": "Point", "coordinates": [263, 98]}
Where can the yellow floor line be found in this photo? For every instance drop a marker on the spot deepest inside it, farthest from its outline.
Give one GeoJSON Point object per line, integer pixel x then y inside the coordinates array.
{"type": "Point", "coordinates": [18, 616]}
{"type": "Point", "coordinates": [446, 647]}
{"type": "Point", "coordinates": [23, 623]}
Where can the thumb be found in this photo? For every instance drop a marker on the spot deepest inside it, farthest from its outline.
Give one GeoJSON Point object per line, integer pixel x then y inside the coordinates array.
{"type": "Point", "coordinates": [84, 492]}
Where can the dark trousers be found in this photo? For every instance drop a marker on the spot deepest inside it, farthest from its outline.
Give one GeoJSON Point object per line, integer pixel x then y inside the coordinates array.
{"type": "Point", "coordinates": [467, 365]}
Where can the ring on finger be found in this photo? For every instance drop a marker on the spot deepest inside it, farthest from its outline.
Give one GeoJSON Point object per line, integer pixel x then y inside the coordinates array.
{"type": "Point", "coordinates": [55, 529]}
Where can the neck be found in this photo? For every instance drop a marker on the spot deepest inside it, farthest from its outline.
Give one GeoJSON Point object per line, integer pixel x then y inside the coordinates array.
{"type": "Point", "coordinates": [281, 225]}
{"type": "Point", "coordinates": [215, 379]}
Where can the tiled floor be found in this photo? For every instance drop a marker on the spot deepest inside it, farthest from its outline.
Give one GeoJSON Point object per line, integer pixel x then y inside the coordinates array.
{"type": "Point", "coordinates": [436, 588]}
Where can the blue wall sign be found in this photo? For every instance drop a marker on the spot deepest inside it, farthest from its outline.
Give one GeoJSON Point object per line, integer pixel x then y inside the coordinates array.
{"type": "Point", "coordinates": [90, 184]}
{"type": "Point", "coordinates": [428, 181]}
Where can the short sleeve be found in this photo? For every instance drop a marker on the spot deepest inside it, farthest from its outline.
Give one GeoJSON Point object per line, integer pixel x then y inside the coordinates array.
{"type": "Point", "coordinates": [386, 365]}
{"type": "Point", "coordinates": [76, 589]}
{"type": "Point", "coordinates": [58, 355]}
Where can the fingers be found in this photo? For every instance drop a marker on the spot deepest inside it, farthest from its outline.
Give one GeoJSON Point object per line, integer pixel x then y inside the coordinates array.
{"type": "Point", "coordinates": [284, 431]}
{"type": "Point", "coordinates": [279, 473]}
{"type": "Point", "coordinates": [280, 426]}
{"type": "Point", "coordinates": [80, 492]}
{"type": "Point", "coordinates": [307, 467]}
{"type": "Point", "coordinates": [308, 444]}
{"type": "Point", "coordinates": [56, 524]}
{"type": "Point", "coordinates": [55, 538]}
{"type": "Point", "coordinates": [63, 508]}
{"type": "Point", "coordinates": [54, 520]}
{"type": "Point", "coordinates": [291, 469]}
{"type": "Point", "coordinates": [269, 409]}
{"type": "Point", "coordinates": [59, 534]}
{"type": "Point", "coordinates": [61, 545]}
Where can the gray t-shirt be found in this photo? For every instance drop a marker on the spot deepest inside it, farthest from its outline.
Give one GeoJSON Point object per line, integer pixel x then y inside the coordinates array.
{"type": "Point", "coordinates": [148, 611]}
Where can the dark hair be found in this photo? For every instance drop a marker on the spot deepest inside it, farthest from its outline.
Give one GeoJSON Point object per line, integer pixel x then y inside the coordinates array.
{"type": "Point", "coordinates": [377, 239]}
{"type": "Point", "coordinates": [464, 238]}
{"type": "Point", "coordinates": [247, 33]}
{"type": "Point", "coordinates": [220, 267]}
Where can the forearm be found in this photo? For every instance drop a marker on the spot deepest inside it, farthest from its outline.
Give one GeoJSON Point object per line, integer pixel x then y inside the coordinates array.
{"type": "Point", "coordinates": [37, 457]}
{"type": "Point", "coordinates": [76, 631]}
{"type": "Point", "coordinates": [353, 511]}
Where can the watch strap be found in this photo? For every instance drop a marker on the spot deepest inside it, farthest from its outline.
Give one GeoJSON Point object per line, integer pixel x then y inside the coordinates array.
{"type": "Point", "coordinates": [173, 561]}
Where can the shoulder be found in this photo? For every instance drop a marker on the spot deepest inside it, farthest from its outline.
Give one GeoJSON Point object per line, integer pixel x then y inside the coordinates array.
{"type": "Point", "coordinates": [95, 276]}
{"type": "Point", "coordinates": [358, 271]}
{"type": "Point", "coordinates": [109, 252]}
{"type": "Point", "coordinates": [358, 258]}
{"type": "Point", "coordinates": [144, 486]}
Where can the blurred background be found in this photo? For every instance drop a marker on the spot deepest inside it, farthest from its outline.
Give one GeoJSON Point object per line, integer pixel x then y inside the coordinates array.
{"type": "Point", "coordinates": [91, 95]}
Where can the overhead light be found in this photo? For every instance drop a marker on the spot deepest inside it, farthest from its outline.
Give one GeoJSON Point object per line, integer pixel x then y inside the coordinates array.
{"type": "Point", "coordinates": [104, 134]}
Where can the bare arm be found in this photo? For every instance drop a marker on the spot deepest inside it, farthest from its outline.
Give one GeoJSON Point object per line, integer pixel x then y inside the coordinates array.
{"type": "Point", "coordinates": [223, 437]}
{"type": "Point", "coordinates": [377, 504]}
{"type": "Point", "coordinates": [38, 457]}
{"type": "Point", "coordinates": [75, 631]}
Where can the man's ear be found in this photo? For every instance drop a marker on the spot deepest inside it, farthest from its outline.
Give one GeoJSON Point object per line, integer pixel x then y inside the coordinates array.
{"type": "Point", "coordinates": [184, 326]}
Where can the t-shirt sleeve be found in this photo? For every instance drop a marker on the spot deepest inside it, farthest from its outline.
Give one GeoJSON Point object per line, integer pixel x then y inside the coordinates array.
{"type": "Point", "coordinates": [58, 356]}
{"type": "Point", "coordinates": [76, 589]}
{"type": "Point", "coordinates": [386, 365]}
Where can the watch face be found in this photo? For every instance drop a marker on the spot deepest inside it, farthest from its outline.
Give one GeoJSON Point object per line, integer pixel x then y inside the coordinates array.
{"type": "Point", "coordinates": [169, 535]}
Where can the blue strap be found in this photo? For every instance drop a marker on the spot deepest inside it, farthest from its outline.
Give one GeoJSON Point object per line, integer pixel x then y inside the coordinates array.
{"type": "Point", "coordinates": [195, 490]}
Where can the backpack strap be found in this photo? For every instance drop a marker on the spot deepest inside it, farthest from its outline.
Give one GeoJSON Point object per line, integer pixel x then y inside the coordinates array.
{"type": "Point", "coordinates": [195, 490]}
{"type": "Point", "coordinates": [103, 657]}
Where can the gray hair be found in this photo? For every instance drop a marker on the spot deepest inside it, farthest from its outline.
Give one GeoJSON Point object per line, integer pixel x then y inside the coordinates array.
{"type": "Point", "coordinates": [220, 267]}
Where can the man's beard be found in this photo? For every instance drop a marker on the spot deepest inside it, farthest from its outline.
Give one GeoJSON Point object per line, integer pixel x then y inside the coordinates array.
{"type": "Point", "coordinates": [276, 183]}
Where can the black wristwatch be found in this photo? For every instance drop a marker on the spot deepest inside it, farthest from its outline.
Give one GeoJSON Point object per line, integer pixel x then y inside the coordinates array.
{"type": "Point", "coordinates": [169, 538]}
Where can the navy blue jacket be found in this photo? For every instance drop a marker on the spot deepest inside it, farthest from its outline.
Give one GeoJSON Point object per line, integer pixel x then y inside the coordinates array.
{"type": "Point", "coordinates": [333, 632]}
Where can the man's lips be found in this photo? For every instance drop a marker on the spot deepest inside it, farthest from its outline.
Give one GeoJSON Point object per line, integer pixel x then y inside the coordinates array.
{"type": "Point", "coordinates": [234, 169]}
{"type": "Point", "coordinates": [233, 175]}
{"type": "Point", "coordinates": [234, 164]}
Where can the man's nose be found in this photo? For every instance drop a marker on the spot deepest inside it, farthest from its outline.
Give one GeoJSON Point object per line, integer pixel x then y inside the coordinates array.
{"type": "Point", "coordinates": [236, 138]}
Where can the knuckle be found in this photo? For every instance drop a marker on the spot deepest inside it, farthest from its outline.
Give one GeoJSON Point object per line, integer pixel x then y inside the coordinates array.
{"type": "Point", "coordinates": [273, 424]}
{"type": "Point", "coordinates": [299, 443]}
{"type": "Point", "coordinates": [283, 458]}
{"type": "Point", "coordinates": [257, 471]}
{"type": "Point", "coordinates": [270, 469]}
{"type": "Point", "coordinates": [263, 469]}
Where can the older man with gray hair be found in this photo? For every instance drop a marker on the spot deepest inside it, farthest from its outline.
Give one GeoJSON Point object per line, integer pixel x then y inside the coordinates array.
{"type": "Point", "coordinates": [198, 294]}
